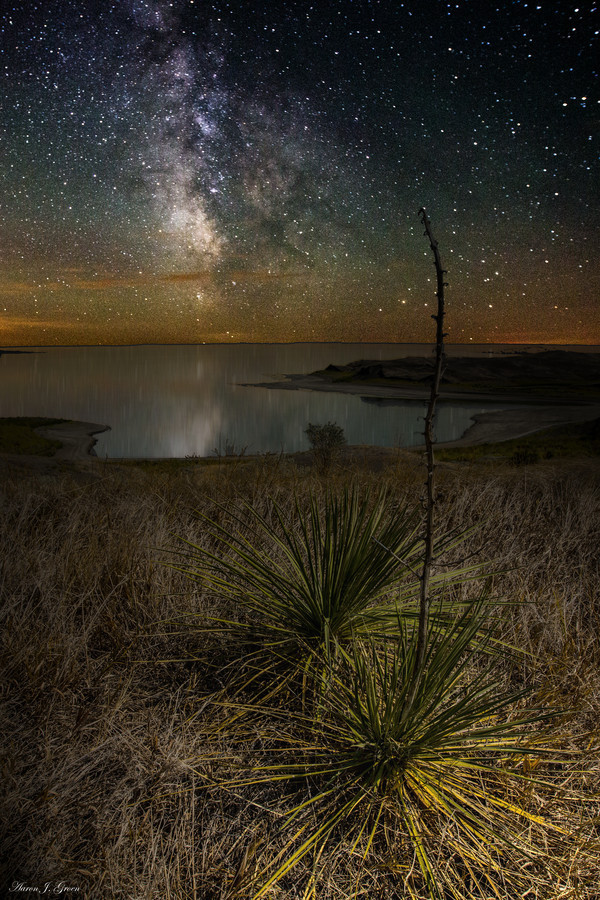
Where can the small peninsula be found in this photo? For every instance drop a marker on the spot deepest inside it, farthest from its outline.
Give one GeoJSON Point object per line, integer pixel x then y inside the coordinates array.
{"type": "Point", "coordinates": [543, 389]}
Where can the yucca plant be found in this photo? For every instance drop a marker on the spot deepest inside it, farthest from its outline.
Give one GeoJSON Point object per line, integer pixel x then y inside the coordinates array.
{"type": "Point", "coordinates": [433, 781]}
{"type": "Point", "coordinates": [340, 569]}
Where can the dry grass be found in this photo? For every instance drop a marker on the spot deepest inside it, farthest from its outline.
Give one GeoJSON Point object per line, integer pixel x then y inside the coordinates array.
{"type": "Point", "coordinates": [104, 685]}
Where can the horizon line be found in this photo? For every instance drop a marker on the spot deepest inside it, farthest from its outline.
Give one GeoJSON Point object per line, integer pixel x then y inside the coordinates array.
{"type": "Point", "coordinates": [8, 347]}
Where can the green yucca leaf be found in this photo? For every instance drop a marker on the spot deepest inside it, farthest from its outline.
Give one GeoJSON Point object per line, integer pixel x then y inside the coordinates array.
{"type": "Point", "coordinates": [450, 752]}
{"type": "Point", "coordinates": [310, 584]}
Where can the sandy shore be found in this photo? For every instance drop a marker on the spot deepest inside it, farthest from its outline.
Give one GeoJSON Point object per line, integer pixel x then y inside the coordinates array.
{"type": "Point", "coordinates": [532, 414]}
{"type": "Point", "coordinates": [315, 382]}
{"type": "Point", "coordinates": [507, 424]}
{"type": "Point", "coordinates": [77, 438]}
{"type": "Point", "coordinates": [76, 453]}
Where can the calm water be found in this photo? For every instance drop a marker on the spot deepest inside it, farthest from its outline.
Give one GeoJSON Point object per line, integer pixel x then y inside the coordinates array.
{"type": "Point", "coordinates": [163, 401]}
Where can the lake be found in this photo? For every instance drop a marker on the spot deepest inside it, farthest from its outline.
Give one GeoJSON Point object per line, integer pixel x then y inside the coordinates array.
{"type": "Point", "coordinates": [178, 400]}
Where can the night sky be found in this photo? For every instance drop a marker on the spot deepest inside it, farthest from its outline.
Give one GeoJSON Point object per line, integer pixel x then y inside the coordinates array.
{"type": "Point", "coordinates": [194, 171]}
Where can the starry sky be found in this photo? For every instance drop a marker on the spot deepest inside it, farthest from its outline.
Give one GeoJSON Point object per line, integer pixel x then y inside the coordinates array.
{"type": "Point", "coordinates": [189, 171]}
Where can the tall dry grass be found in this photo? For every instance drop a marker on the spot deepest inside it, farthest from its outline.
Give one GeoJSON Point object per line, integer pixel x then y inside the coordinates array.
{"type": "Point", "coordinates": [104, 684]}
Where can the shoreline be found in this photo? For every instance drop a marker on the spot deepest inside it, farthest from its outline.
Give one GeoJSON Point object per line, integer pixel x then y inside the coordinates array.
{"type": "Point", "coordinates": [500, 425]}
{"type": "Point", "coordinates": [491, 427]}
{"type": "Point", "coordinates": [314, 382]}
{"type": "Point", "coordinates": [77, 438]}
{"type": "Point", "coordinates": [529, 413]}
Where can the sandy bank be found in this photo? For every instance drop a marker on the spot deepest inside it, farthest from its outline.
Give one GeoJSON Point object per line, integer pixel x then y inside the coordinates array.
{"type": "Point", "coordinates": [391, 392]}
{"type": "Point", "coordinates": [75, 455]}
{"type": "Point", "coordinates": [77, 438]}
{"type": "Point", "coordinates": [506, 424]}
{"type": "Point", "coordinates": [533, 413]}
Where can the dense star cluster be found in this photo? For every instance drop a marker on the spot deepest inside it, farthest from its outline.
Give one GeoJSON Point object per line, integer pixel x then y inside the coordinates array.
{"type": "Point", "coordinates": [239, 170]}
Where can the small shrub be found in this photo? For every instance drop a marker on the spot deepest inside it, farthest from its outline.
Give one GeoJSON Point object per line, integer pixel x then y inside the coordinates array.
{"type": "Point", "coordinates": [326, 442]}
{"type": "Point", "coordinates": [230, 448]}
{"type": "Point", "coordinates": [525, 456]}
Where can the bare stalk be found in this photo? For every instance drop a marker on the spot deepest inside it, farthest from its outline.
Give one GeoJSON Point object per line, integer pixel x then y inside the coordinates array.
{"type": "Point", "coordinates": [425, 599]}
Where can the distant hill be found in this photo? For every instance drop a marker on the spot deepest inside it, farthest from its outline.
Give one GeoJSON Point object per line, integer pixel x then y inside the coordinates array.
{"type": "Point", "coordinates": [549, 368]}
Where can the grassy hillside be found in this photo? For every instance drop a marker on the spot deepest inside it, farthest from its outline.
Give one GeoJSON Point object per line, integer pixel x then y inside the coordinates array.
{"type": "Point", "coordinates": [133, 743]}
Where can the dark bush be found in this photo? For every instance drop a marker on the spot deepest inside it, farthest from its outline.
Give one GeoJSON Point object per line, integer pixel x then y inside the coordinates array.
{"type": "Point", "coordinates": [525, 456]}
{"type": "Point", "coordinates": [325, 441]}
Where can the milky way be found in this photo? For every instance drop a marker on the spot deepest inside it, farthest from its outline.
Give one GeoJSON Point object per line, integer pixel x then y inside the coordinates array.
{"type": "Point", "coordinates": [195, 171]}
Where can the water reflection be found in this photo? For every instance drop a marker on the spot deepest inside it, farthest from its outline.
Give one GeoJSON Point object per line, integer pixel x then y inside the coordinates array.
{"type": "Point", "coordinates": [178, 400]}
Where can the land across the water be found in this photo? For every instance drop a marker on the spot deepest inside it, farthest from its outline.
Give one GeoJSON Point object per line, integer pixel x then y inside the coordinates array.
{"type": "Point", "coordinates": [45, 442]}
{"type": "Point", "coordinates": [76, 438]}
{"type": "Point", "coordinates": [544, 389]}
